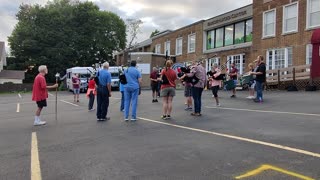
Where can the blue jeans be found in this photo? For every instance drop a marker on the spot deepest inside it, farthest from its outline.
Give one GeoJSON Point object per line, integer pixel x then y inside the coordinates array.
{"type": "Point", "coordinates": [102, 102]}
{"type": "Point", "coordinates": [259, 89]}
{"type": "Point", "coordinates": [130, 97]}
{"type": "Point", "coordinates": [122, 101]}
{"type": "Point", "coordinates": [196, 94]}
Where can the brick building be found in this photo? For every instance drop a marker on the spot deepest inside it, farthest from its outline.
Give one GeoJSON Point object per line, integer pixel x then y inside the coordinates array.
{"type": "Point", "coordinates": [283, 30]}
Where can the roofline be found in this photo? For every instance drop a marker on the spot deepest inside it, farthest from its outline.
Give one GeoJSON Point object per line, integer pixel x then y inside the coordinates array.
{"type": "Point", "coordinates": [229, 12]}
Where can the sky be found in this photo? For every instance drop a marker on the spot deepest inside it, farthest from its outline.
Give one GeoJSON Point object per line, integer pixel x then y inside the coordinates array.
{"type": "Point", "coordinates": [155, 14]}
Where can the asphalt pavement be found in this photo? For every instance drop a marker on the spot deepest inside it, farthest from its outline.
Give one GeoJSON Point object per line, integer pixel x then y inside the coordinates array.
{"type": "Point", "coordinates": [276, 139]}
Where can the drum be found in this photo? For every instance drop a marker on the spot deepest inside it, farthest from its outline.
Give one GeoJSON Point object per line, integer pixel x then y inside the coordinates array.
{"type": "Point", "coordinates": [246, 79]}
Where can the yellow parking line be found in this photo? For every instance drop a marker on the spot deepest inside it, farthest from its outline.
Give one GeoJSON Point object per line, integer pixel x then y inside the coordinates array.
{"type": "Point", "coordinates": [269, 167]}
{"type": "Point", "coordinates": [35, 163]}
{"type": "Point", "coordinates": [278, 146]}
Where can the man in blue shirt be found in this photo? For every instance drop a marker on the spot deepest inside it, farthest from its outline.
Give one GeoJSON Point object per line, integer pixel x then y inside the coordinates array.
{"type": "Point", "coordinates": [103, 92]}
{"type": "Point", "coordinates": [131, 91]}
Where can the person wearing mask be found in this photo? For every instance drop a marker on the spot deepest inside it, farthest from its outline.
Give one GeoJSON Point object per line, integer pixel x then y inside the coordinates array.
{"type": "Point", "coordinates": [154, 84]}
{"type": "Point", "coordinates": [234, 76]}
{"type": "Point", "coordinates": [103, 92]}
{"type": "Point", "coordinates": [260, 78]}
{"type": "Point", "coordinates": [131, 91]}
{"type": "Point", "coordinates": [40, 93]}
{"type": "Point", "coordinates": [168, 89]}
{"type": "Point", "coordinates": [198, 72]}
{"type": "Point", "coordinates": [215, 83]}
{"type": "Point", "coordinates": [91, 93]}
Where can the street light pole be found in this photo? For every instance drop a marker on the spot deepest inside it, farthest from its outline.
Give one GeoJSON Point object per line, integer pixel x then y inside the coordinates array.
{"type": "Point", "coordinates": [56, 107]}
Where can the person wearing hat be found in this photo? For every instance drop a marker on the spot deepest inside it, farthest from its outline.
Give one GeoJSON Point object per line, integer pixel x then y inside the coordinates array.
{"type": "Point", "coordinates": [131, 91]}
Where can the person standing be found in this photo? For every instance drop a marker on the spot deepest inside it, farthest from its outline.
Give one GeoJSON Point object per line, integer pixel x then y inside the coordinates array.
{"type": "Point", "coordinates": [40, 93]}
{"type": "Point", "coordinates": [199, 73]}
{"type": "Point", "coordinates": [154, 84]}
{"type": "Point", "coordinates": [168, 89]}
{"type": "Point", "coordinates": [103, 92]}
{"type": "Point", "coordinates": [131, 91]}
{"type": "Point", "coordinates": [76, 87]}
{"type": "Point", "coordinates": [91, 93]}
{"type": "Point", "coordinates": [215, 83]}
{"type": "Point", "coordinates": [121, 88]}
{"type": "Point", "coordinates": [252, 82]}
{"type": "Point", "coordinates": [234, 76]}
{"type": "Point", "coordinates": [260, 78]}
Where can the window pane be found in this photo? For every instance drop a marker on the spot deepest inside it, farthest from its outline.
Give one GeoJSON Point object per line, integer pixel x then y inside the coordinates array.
{"type": "Point", "coordinates": [291, 11]}
{"type": "Point", "coordinates": [269, 17]}
{"type": "Point", "coordinates": [192, 41]}
{"type": "Point", "coordinates": [270, 59]}
{"type": "Point", "coordinates": [249, 30]}
{"type": "Point", "coordinates": [219, 37]}
{"type": "Point", "coordinates": [210, 39]}
{"type": "Point", "coordinates": [290, 24]}
{"type": "Point", "coordinates": [239, 33]}
{"type": "Point", "coordinates": [289, 56]}
{"type": "Point", "coordinates": [179, 46]}
{"type": "Point", "coordinates": [309, 54]}
{"type": "Point", "coordinates": [315, 19]}
{"type": "Point", "coordinates": [314, 6]}
{"type": "Point", "coordinates": [269, 29]}
{"type": "Point", "coordinates": [228, 35]}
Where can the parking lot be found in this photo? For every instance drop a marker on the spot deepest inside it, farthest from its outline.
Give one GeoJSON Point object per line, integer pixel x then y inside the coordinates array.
{"type": "Point", "coordinates": [278, 139]}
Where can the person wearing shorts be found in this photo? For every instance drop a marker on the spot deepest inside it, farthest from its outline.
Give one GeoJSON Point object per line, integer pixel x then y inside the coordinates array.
{"type": "Point", "coordinates": [168, 89]}
{"type": "Point", "coordinates": [188, 95]}
{"type": "Point", "coordinates": [215, 84]}
{"type": "Point", "coordinates": [40, 93]}
{"type": "Point", "coordinates": [154, 84]}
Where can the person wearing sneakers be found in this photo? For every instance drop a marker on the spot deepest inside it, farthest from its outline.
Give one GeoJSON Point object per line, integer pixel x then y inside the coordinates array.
{"type": "Point", "coordinates": [260, 78]}
{"type": "Point", "coordinates": [234, 76]}
{"type": "Point", "coordinates": [76, 87]}
{"type": "Point", "coordinates": [215, 83]}
{"type": "Point", "coordinates": [132, 91]}
{"type": "Point", "coordinates": [103, 92]}
{"type": "Point", "coordinates": [91, 93]}
{"type": "Point", "coordinates": [252, 82]}
{"type": "Point", "coordinates": [168, 89]}
{"type": "Point", "coordinates": [154, 84]}
{"type": "Point", "coordinates": [40, 93]}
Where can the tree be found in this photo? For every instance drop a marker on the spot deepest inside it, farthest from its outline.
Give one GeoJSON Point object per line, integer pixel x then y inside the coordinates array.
{"type": "Point", "coordinates": [133, 29]}
{"type": "Point", "coordinates": [63, 34]}
{"type": "Point", "coordinates": [154, 33]}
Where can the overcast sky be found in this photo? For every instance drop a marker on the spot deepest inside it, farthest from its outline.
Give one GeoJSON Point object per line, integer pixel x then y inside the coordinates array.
{"type": "Point", "coordinates": [155, 14]}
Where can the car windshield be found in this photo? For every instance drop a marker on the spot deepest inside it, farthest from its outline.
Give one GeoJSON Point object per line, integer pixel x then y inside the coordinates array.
{"type": "Point", "coordinates": [115, 75]}
{"type": "Point", "coordinates": [84, 76]}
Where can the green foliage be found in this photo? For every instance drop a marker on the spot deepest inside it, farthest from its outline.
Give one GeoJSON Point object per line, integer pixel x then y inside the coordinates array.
{"type": "Point", "coordinates": [64, 34]}
{"type": "Point", "coordinates": [154, 33]}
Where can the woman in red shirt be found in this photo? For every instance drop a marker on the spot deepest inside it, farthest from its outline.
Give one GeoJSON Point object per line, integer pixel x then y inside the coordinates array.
{"type": "Point", "coordinates": [91, 92]}
{"type": "Point", "coordinates": [168, 89]}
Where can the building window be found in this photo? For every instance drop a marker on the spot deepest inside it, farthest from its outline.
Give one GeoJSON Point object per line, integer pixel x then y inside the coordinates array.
{"type": "Point", "coordinates": [210, 39]}
{"type": "Point", "coordinates": [279, 58]}
{"type": "Point", "coordinates": [239, 61]}
{"type": "Point", "coordinates": [239, 33]}
{"type": "Point", "coordinates": [212, 61]}
{"type": "Point", "coordinates": [269, 23]}
{"type": "Point", "coordinates": [309, 54]}
{"type": "Point", "coordinates": [219, 38]}
{"type": "Point", "coordinates": [290, 18]}
{"type": "Point", "coordinates": [313, 13]}
{"type": "Point", "coordinates": [249, 30]}
{"type": "Point", "coordinates": [191, 43]}
{"type": "Point", "coordinates": [228, 35]}
{"type": "Point", "coordinates": [179, 46]}
{"type": "Point", "coordinates": [167, 48]}
{"type": "Point", "coordinates": [158, 49]}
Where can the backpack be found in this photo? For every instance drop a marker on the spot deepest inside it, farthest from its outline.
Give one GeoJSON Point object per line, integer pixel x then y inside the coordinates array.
{"type": "Point", "coordinates": [96, 79]}
{"type": "Point", "coordinates": [122, 78]}
{"type": "Point", "coordinates": [165, 78]}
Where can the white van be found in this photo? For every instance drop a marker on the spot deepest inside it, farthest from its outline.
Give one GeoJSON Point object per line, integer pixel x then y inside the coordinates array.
{"type": "Point", "coordinates": [84, 76]}
{"type": "Point", "coordinates": [114, 70]}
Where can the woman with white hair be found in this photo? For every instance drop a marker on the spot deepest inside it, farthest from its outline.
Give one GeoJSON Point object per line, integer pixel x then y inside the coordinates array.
{"type": "Point", "coordinates": [40, 93]}
{"type": "Point", "coordinates": [215, 83]}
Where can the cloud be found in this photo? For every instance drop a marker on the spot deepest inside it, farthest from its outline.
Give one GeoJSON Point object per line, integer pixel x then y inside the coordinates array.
{"type": "Point", "coordinates": [161, 15]}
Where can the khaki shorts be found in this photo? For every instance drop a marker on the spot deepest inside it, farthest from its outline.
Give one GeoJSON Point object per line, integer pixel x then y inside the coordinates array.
{"type": "Point", "coordinates": [170, 91]}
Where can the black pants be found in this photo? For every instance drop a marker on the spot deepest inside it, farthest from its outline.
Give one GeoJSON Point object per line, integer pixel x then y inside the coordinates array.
{"type": "Point", "coordinates": [196, 94]}
{"type": "Point", "coordinates": [91, 100]}
{"type": "Point", "coordinates": [102, 102]}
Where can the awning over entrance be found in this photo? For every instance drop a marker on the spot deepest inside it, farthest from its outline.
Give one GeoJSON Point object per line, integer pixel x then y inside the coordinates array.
{"type": "Point", "coordinates": [315, 66]}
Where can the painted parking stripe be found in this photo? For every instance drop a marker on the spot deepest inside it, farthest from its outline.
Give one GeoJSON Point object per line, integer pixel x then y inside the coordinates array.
{"type": "Point", "coordinates": [50, 94]}
{"type": "Point", "coordinates": [278, 146]}
{"type": "Point", "coordinates": [269, 167]}
{"type": "Point", "coordinates": [18, 107]}
{"type": "Point", "coordinates": [19, 95]}
{"type": "Point", "coordinates": [69, 103]}
{"type": "Point", "coordinates": [35, 163]}
{"type": "Point", "coordinates": [264, 111]}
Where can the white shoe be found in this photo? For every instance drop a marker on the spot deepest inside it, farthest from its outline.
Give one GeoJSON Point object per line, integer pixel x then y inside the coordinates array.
{"type": "Point", "coordinates": [218, 105]}
{"type": "Point", "coordinates": [39, 123]}
{"type": "Point", "coordinates": [249, 97]}
{"type": "Point", "coordinates": [252, 97]}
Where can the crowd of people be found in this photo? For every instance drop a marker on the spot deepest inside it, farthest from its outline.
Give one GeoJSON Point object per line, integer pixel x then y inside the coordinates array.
{"type": "Point", "coordinates": [163, 84]}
